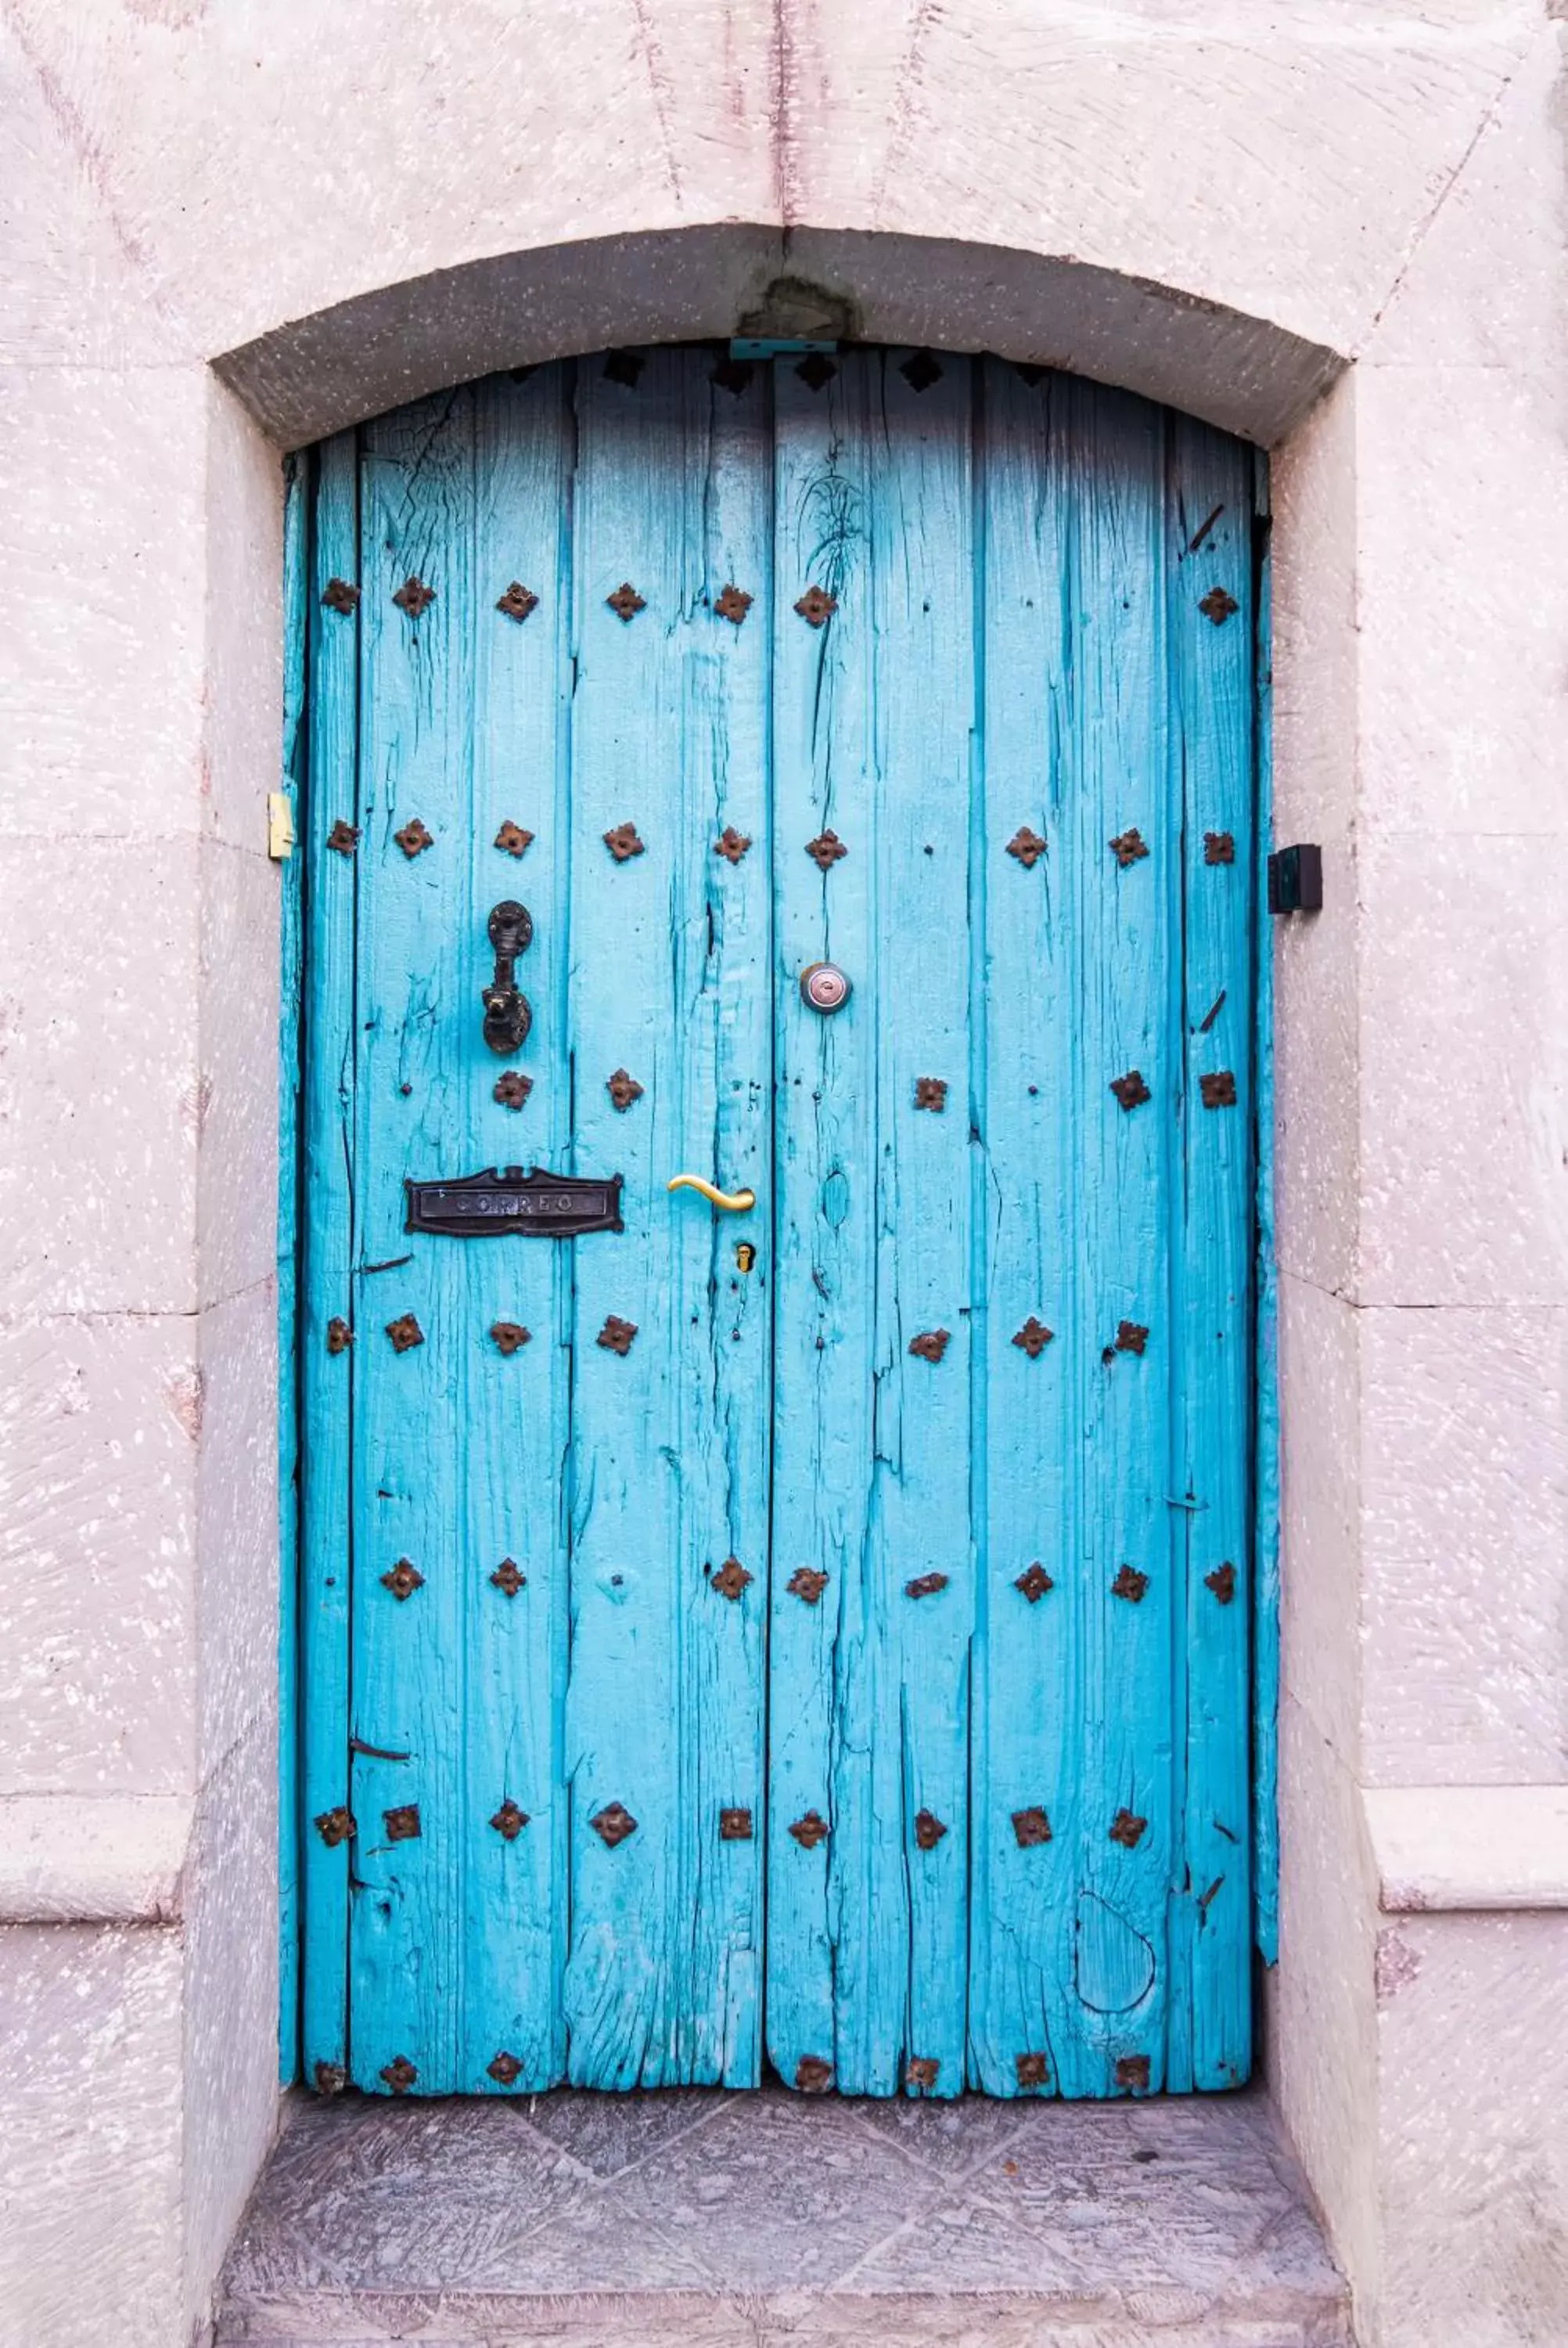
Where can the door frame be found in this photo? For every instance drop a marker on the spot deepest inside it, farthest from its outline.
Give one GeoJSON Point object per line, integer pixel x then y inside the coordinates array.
{"type": "Point", "coordinates": [291, 810]}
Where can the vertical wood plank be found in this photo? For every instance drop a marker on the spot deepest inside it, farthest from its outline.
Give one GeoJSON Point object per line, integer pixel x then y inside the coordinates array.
{"type": "Point", "coordinates": [515, 1891]}
{"type": "Point", "coordinates": [423, 1063]}
{"type": "Point", "coordinates": [1265, 1366]}
{"type": "Point", "coordinates": [295, 765]}
{"type": "Point", "coordinates": [668, 1463]}
{"type": "Point", "coordinates": [326, 1378]}
{"type": "Point", "coordinates": [1209, 573]}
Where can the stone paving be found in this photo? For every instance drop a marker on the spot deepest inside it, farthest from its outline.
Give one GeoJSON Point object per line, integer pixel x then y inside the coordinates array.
{"type": "Point", "coordinates": [713, 2220]}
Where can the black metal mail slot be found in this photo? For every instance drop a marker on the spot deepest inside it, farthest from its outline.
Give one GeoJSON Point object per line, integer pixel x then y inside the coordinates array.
{"type": "Point", "coordinates": [503, 1199]}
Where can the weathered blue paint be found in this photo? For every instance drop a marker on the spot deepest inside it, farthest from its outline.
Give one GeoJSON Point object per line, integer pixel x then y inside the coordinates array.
{"type": "Point", "coordinates": [1034, 1875]}
{"type": "Point", "coordinates": [1266, 1435]}
{"type": "Point", "coordinates": [294, 770]}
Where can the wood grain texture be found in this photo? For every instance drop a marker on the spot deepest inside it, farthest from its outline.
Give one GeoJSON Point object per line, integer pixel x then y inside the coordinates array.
{"type": "Point", "coordinates": [293, 779]}
{"type": "Point", "coordinates": [1265, 1360]}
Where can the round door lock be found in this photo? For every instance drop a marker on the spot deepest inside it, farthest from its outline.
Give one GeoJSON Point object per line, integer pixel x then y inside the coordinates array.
{"type": "Point", "coordinates": [823, 986]}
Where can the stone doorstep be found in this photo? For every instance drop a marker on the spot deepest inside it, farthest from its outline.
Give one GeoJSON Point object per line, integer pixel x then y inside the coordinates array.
{"type": "Point", "coordinates": [721, 2221]}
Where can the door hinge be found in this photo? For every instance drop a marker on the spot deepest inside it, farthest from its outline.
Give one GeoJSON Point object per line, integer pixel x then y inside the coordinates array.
{"type": "Point", "coordinates": [279, 826]}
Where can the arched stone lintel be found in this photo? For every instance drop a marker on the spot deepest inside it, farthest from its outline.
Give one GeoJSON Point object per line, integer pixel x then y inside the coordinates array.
{"type": "Point", "coordinates": [318, 375]}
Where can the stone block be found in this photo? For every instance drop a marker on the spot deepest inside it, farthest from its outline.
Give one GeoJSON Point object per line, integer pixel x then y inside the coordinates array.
{"type": "Point", "coordinates": [244, 621]}
{"type": "Point", "coordinates": [237, 1623]}
{"type": "Point", "coordinates": [1320, 1448]}
{"type": "Point", "coordinates": [237, 1090]}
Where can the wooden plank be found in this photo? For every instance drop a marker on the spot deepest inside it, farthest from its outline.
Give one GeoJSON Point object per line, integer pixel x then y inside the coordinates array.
{"type": "Point", "coordinates": [422, 957]}
{"type": "Point", "coordinates": [1209, 573]}
{"type": "Point", "coordinates": [1028, 1212]}
{"type": "Point", "coordinates": [515, 1889]}
{"type": "Point", "coordinates": [1266, 1431]}
{"type": "Point", "coordinates": [669, 1474]}
{"type": "Point", "coordinates": [293, 782]}
{"type": "Point", "coordinates": [328, 1143]}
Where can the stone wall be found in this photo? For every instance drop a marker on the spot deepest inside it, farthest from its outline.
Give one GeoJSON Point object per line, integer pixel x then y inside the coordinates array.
{"type": "Point", "coordinates": [1336, 225]}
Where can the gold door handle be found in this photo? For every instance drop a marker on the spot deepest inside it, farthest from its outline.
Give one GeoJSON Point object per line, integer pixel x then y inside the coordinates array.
{"type": "Point", "coordinates": [729, 1202]}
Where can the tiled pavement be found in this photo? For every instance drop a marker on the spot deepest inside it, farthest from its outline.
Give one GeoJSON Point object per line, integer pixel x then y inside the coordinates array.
{"type": "Point", "coordinates": [708, 2218]}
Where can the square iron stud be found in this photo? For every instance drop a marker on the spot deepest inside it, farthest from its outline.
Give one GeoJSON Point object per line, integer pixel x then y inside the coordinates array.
{"type": "Point", "coordinates": [514, 839]}
{"type": "Point", "coordinates": [931, 1092]}
{"type": "Point", "coordinates": [1222, 1581]}
{"type": "Point", "coordinates": [1032, 1828]}
{"type": "Point", "coordinates": [509, 1576]}
{"type": "Point", "coordinates": [1033, 2070]}
{"type": "Point", "coordinates": [1218, 1091]}
{"type": "Point", "coordinates": [343, 837]}
{"type": "Point", "coordinates": [1027, 371]}
{"type": "Point", "coordinates": [613, 1823]}
{"type": "Point", "coordinates": [1217, 606]}
{"type": "Point", "coordinates": [1131, 1336]}
{"type": "Point", "coordinates": [329, 2078]}
{"type": "Point", "coordinates": [1132, 2071]}
{"type": "Point", "coordinates": [340, 1336]}
{"type": "Point", "coordinates": [928, 1829]}
{"type": "Point", "coordinates": [405, 1333]}
{"type": "Point", "coordinates": [1219, 848]}
{"type": "Point", "coordinates": [732, 375]}
{"type": "Point", "coordinates": [1027, 846]}
{"type": "Point", "coordinates": [806, 1584]}
{"type": "Point", "coordinates": [930, 1344]}
{"type": "Point", "coordinates": [626, 602]}
{"type": "Point", "coordinates": [413, 839]}
{"type": "Point", "coordinates": [826, 850]}
{"type": "Point", "coordinates": [1130, 1584]}
{"type": "Point", "coordinates": [1128, 847]}
{"type": "Point", "coordinates": [623, 1089]}
{"type": "Point", "coordinates": [734, 1826]}
{"type": "Point", "coordinates": [504, 2068]}
{"type": "Point", "coordinates": [810, 1830]}
{"type": "Point", "coordinates": [817, 606]}
{"type": "Point", "coordinates": [812, 2077]}
{"type": "Point", "coordinates": [399, 2075]}
{"type": "Point", "coordinates": [336, 1826]}
{"type": "Point", "coordinates": [730, 844]}
{"type": "Point", "coordinates": [510, 1336]}
{"type": "Point", "coordinates": [518, 602]}
{"type": "Point", "coordinates": [1131, 1090]}
{"type": "Point", "coordinates": [624, 842]}
{"type": "Point", "coordinates": [731, 1578]}
{"type": "Point", "coordinates": [413, 596]}
{"type": "Point", "coordinates": [1033, 1337]}
{"type": "Point", "coordinates": [920, 371]}
{"type": "Point", "coordinates": [509, 1821]}
{"type": "Point", "coordinates": [921, 2073]}
{"type": "Point", "coordinates": [1127, 1829]}
{"type": "Point", "coordinates": [401, 1824]}
{"type": "Point", "coordinates": [404, 1579]}
{"type": "Point", "coordinates": [338, 595]}
{"type": "Point", "coordinates": [512, 1089]}
{"type": "Point", "coordinates": [732, 604]}
{"type": "Point", "coordinates": [1034, 1581]}
{"type": "Point", "coordinates": [623, 367]}
{"type": "Point", "coordinates": [925, 1585]}
{"type": "Point", "coordinates": [617, 1334]}
{"type": "Point", "coordinates": [815, 371]}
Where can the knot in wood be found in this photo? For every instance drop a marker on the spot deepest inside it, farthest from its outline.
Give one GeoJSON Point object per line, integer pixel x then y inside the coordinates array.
{"type": "Point", "coordinates": [413, 839]}
{"type": "Point", "coordinates": [1219, 848]}
{"type": "Point", "coordinates": [401, 1824]}
{"type": "Point", "coordinates": [730, 844]}
{"type": "Point", "coordinates": [817, 606]}
{"type": "Point", "coordinates": [518, 602]}
{"type": "Point", "coordinates": [732, 604]}
{"type": "Point", "coordinates": [343, 837]}
{"type": "Point", "coordinates": [399, 2075]}
{"type": "Point", "coordinates": [509, 1821]}
{"type": "Point", "coordinates": [510, 1336]}
{"type": "Point", "coordinates": [1130, 1584]}
{"type": "Point", "coordinates": [504, 2068]}
{"type": "Point", "coordinates": [617, 1334]}
{"type": "Point", "coordinates": [931, 1343]}
{"type": "Point", "coordinates": [413, 596]}
{"type": "Point", "coordinates": [626, 602]}
{"type": "Point", "coordinates": [514, 839]}
{"type": "Point", "coordinates": [405, 1333]}
{"type": "Point", "coordinates": [1033, 1337]}
{"type": "Point", "coordinates": [1034, 1581]}
{"type": "Point", "coordinates": [613, 1823]}
{"type": "Point", "coordinates": [806, 1584]}
{"type": "Point", "coordinates": [1027, 846]}
{"type": "Point", "coordinates": [404, 1579]}
{"type": "Point", "coordinates": [928, 1829]}
{"type": "Point", "coordinates": [826, 850]}
{"type": "Point", "coordinates": [1032, 1826]}
{"type": "Point", "coordinates": [623, 1089]}
{"type": "Point", "coordinates": [1130, 1090]}
{"type": "Point", "coordinates": [338, 595]}
{"type": "Point", "coordinates": [509, 1576]}
{"type": "Point", "coordinates": [1128, 847]}
{"type": "Point", "coordinates": [1127, 1829]}
{"type": "Point", "coordinates": [512, 1089]}
{"type": "Point", "coordinates": [731, 1578]}
{"type": "Point", "coordinates": [810, 1830]}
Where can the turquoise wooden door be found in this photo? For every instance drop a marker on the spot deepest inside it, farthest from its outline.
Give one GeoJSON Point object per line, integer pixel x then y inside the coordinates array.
{"type": "Point", "coordinates": [813, 1637]}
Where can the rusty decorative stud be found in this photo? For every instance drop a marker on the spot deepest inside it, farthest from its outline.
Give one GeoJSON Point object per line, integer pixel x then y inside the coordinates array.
{"type": "Point", "coordinates": [920, 2072]}
{"type": "Point", "coordinates": [730, 844]}
{"type": "Point", "coordinates": [624, 842]}
{"type": "Point", "coordinates": [623, 1089]}
{"type": "Point", "coordinates": [815, 371]}
{"type": "Point", "coordinates": [405, 1333]}
{"type": "Point", "coordinates": [1033, 1337]}
{"type": "Point", "coordinates": [404, 1579]}
{"type": "Point", "coordinates": [1130, 1584]}
{"type": "Point", "coordinates": [1128, 847]}
{"type": "Point", "coordinates": [509, 1821]}
{"type": "Point", "coordinates": [817, 606]}
{"type": "Point", "coordinates": [925, 1585]}
{"type": "Point", "coordinates": [930, 1344]}
{"type": "Point", "coordinates": [826, 850]}
{"type": "Point", "coordinates": [414, 597]}
{"type": "Point", "coordinates": [928, 1829]}
{"type": "Point", "coordinates": [401, 1824]}
{"type": "Point", "coordinates": [806, 1584]}
{"type": "Point", "coordinates": [510, 1336]}
{"type": "Point", "coordinates": [512, 1089]}
{"type": "Point", "coordinates": [613, 1823]}
{"type": "Point", "coordinates": [617, 1334]}
{"type": "Point", "coordinates": [399, 2075]}
{"type": "Point", "coordinates": [1218, 1091]}
{"type": "Point", "coordinates": [810, 1830]}
{"type": "Point", "coordinates": [733, 375]}
{"type": "Point", "coordinates": [509, 1576]}
{"type": "Point", "coordinates": [1132, 2071]}
{"type": "Point", "coordinates": [329, 2078]}
{"type": "Point", "coordinates": [1034, 1581]}
{"type": "Point", "coordinates": [1131, 1090]}
{"type": "Point", "coordinates": [1130, 1337]}
{"type": "Point", "coordinates": [340, 1336]}
{"type": "Point", "coordinates": [514, 839]}
{"type": "Point", "coordinates": [1217, 606]}
{"type": "Point", "coordinates": [1219, 848]}
{"type": "Point", "coordinates": [1027, 846]}
{"type": "Point", "coordinates": [1032, 2070]}
{"type": "Point", "coordinates": [504, 2068]}
{"type": "Point", "coordinates": [1127, 1829]}
{"type": "Point", "coordinates": [732, 605]}
{"type": "Point", "coordinates": [813, 2075]}
{"type": "Point", "coordinates": [623, 367]}
{"type": "Point", "coordinates": [343, 837]}
{"type": "Point", "coordinates": [336, 1826]}
{"type": "Point", "coordinates": [931, 1092]}
{"type": "Point", "coordinates": [734, 1826]}
{"type": "Point", "coordinates": [626, 602]}
{"type": "Point", "coordinates": [920, 371]}
{"type": "Point", "coordinates": [518, 602]}
{"type": "Point", "coordinates": [1222, 1581]}
{"type": "Point", "coordinates": [338, 595]}
{"type": "Point", "coordinates": [413, 839]}
{"type": "Point", "coordinates": [1032, 1828]}
{"type": "Point", "coordinates": [731, 1578]}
